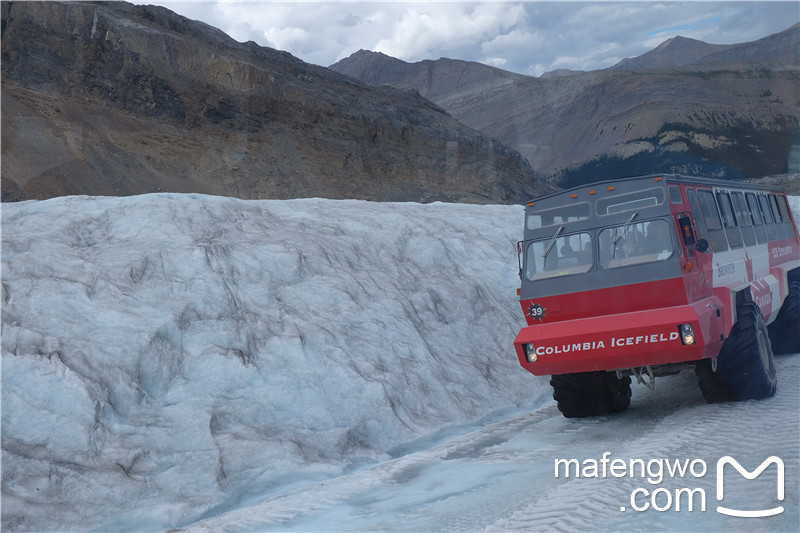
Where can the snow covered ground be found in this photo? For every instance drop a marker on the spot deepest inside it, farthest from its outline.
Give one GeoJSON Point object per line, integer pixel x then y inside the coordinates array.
{"type": "Point", "coordinates": [212, 364]}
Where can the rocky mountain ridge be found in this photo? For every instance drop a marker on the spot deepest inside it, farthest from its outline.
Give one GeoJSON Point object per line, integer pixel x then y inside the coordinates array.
{"type": "Point", "coordinates": [674, 52]}
{"type": "Point", "coordinates": [727, 111]}
{"type": "Point", "coordinates": [110, 98]}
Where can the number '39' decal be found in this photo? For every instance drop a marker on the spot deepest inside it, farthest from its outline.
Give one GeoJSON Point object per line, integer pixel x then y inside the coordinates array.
{"type": "Point", "coordinates": [536, 311]}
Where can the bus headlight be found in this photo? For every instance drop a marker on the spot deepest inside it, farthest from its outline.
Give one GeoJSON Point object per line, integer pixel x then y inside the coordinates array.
{"type": "Point", "coordinates": [687, 334]}
{"type": "Point", "coordinates": [530, 353]}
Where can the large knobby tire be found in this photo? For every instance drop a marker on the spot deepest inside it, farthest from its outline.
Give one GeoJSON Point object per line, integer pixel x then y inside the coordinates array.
{"type": "Point", "coordinates": [713, 387]}
{"type": "Point", "coordinates": [746, 362]}
{"type": "Point", "coordinates": [591, 393]}
{"type": "Point", "coordinates": [784, 332]}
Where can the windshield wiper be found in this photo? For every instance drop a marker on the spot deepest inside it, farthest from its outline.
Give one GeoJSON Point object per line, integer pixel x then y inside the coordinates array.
{"type": "Point", "coordinates": [552, 241]}
{"type": "Point", "coordinates": [619, 234]}
{"type": "Point", "coordinates": [628, 223]}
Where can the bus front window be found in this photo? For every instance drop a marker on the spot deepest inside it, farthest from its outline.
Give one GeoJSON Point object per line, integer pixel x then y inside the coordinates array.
{"type": "Point", "coordinates": [559, 256]}
{"type": "Point", "coordinates": [632, 244]}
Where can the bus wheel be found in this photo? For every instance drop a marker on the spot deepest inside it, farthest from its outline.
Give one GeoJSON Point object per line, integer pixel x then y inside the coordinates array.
{"type": "Point", "coordinates": [746, 362]}
{"type": "Point", "coordinates": [713, 387]}
{"type": "Point", "coordinates": [591, 393]}
{"type": "Point", "coordinates": [784, 332]}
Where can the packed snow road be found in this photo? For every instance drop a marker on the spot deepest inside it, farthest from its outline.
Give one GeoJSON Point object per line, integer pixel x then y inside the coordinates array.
{"type": "Point", "coordinates": [210, 364]}
{"type": "Point", "coordinates": [501, 477]}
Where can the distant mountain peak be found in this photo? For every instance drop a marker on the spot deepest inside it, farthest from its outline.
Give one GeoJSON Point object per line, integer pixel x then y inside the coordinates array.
{"type": "Point", "coordinates": [679, 51]}
{"type": "Point", "coordinates": [363, 53]}
{"type": "Point", "coordinates": [688, 106]}
{"type": "Point", "coordinates": [674, 52]}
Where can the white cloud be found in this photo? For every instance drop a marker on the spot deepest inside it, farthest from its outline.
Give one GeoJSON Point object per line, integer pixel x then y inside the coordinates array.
{"type": "Point", "coordinates": [526, 37]}
{"type": "Point", "coordinates": [432, 30]}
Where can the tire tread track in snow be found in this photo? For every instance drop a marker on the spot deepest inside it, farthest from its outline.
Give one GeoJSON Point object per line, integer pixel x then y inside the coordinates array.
{"type": "Point", "coordinates": [390, 495]}
{"type": "Point", "coordinates": [707, 432]}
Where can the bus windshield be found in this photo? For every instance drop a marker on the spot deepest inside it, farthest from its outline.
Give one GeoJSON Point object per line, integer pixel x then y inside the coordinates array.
{"type": "Point", "coordinates": [559, 256]}
{"type": "Point", "coordinates": [631, 244]}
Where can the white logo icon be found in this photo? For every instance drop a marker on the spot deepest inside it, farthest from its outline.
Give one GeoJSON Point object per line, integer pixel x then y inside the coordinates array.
{"type": "Point", "coordinates": [763, 466]}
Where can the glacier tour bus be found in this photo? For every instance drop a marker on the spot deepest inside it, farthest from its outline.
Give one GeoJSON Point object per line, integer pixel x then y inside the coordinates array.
{"type": "Point", "coordinates": [649, 275]}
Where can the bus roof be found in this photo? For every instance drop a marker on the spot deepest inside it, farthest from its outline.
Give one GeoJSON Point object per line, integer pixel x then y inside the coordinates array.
{"type": "Point", "coordinates": [670, 178]}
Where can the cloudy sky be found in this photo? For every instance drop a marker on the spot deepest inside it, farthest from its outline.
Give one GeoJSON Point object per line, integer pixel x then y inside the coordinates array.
{"type": "Point", "coordinates": [526, 37]}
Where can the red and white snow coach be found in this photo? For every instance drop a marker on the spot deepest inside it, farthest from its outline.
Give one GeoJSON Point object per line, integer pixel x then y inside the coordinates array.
{"type": "Point", "coordinates": [647, 276]}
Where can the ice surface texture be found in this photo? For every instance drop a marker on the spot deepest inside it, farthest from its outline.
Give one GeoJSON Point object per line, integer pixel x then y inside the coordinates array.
{"type": "Point", "coordinates": [171, 352]}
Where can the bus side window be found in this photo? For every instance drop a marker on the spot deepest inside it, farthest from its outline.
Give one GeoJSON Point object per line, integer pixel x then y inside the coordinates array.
{"type": "Point", "coordinates": [698, 214]}
{"type": "Point", "coordinates": [769, 221]}
{"type": "Point", "coordinates": [729, 220]}
{"type": "Point", "coordinates": [716, 233]}
{"type": "Point", "coordinates": [783, 232]}
{"type": "Point", "coordinates": [686, 231]}
{"type": "Point", "coordinates": [675, 195]}
{"type": "Point", "coordinates": [743, 217]}
{"type": "Point", "coordinates": [757, 218]}
{"type": "Point", "coordinates": [787, 217]}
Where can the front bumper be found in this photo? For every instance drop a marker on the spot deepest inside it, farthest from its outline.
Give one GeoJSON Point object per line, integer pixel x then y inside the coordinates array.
{"type": "Point", "coordinates": [613, 342]}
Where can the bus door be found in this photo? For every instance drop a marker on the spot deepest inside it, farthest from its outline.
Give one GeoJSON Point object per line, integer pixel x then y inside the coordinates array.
{"type": "Point", "coordinates": [695, 235]}
{"type": "Point", "coordinates": [697, 265]}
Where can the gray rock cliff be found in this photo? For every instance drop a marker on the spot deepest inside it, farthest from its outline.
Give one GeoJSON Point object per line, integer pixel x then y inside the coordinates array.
{"type": "Point", "coordinates": [118, 99]}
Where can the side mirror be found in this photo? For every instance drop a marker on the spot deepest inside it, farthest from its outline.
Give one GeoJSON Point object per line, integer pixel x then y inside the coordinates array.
{"type": "Point", "coordinates": [701, 246]}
